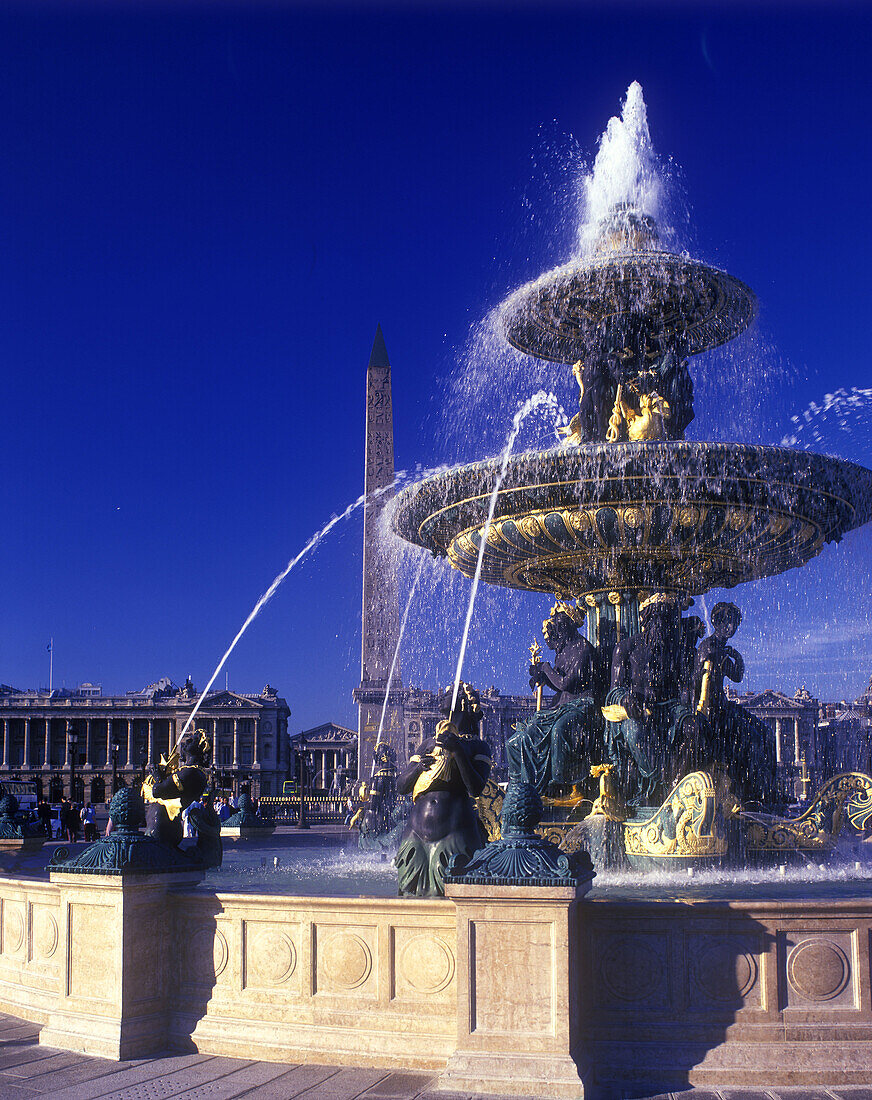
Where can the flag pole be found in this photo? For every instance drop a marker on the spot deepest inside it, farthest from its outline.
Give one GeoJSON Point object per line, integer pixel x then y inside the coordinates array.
{"type": "Point", "coordinates": [50, 664]}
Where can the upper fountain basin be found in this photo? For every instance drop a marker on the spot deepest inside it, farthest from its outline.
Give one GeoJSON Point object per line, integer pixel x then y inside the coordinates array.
{"type": "Point", "coordinates": [560, 316]}
{"type": "Point", "coordinates": [679, 516]}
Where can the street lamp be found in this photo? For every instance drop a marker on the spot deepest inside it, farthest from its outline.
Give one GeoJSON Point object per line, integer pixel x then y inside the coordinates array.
{"type": "Point", "coordinates": [302, 778]}
{"type": "Point", "coordinates": [114, 767]}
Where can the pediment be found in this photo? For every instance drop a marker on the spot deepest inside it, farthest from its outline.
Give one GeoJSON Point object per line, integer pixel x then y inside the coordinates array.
{"type": "Point", "coordinates": [231, 701]}
{"type": "Point", "coordinates": [773, 700]}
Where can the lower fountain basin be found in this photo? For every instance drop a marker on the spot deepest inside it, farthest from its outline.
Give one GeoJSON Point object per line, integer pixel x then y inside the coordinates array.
{"type": "Point", "coordinates": [666, 516]}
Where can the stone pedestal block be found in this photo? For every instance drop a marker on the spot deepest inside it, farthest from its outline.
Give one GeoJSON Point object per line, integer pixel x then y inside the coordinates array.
{"type": "Point", "coordinates": [518, 994]}
{"type": "Point", "coordinates": [115, 936]}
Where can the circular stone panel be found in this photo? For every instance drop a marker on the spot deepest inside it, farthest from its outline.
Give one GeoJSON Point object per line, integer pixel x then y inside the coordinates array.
{"type": "Point", "coordinates": [818, 969]}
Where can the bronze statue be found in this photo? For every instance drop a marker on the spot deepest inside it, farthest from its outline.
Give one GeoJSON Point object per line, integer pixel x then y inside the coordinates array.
{"type": "Point", "coordinates": [555, 746]}
{"type": "Point", "coordinates": [740, 740]}
{"type": "Point", "coordinates": [443, 778]}
{"type": "Point", "coordinates": [654, 736]}
{"type": "Point", "coordinates": [379, 818]}
{"type": "Point", "coordinates": [174, 784]}
{"type": "Point", "coordinates": [633, 387]}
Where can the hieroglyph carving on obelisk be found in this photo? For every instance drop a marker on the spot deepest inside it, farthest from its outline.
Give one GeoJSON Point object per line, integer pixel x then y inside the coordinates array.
{"type": "Point", "coordinates": [380, 619]}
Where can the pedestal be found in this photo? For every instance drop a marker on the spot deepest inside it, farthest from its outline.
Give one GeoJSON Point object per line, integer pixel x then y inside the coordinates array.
{"type": "Point", "coordinates": [518, 991]}
{"type": "Point", "coordinates": [115, 971]}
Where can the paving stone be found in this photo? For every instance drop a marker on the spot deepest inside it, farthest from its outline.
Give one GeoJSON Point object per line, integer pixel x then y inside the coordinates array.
{"type": "Point", "coordinates": [17, 1090]}
{"type": "Point", "coordinates": [853, 1092]}
{"type": "Point", "coordinates": [400, 1085]}
{"type": "Point", "coordinates": [16, 1034]}
{"type": "Point", "coordinates": [90, 1069]}
{"type": "Point", "coordinates": [297, 1081]}
{"type": "Point", "coordinates": [24, 1052]}
{"type": "Point", "coordinates": [238, 1083]}
{"type": "Point", "coordinates": [171, 1084]}
{"type": "Point", "coordinates": [800, 1094]}
{"type": "Point", "coordinates": [142, 1070]}
{"type": "Point", "coordinates": [745, 1094]}
{"type": "Point", "coordinates": [347, 1084]}
{"type": "Point", "coordinates": [58, 1060]}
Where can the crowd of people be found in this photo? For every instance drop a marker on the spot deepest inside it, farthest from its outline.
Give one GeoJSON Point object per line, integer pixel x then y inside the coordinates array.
{"type": "Point", "coordinates": [73, 821]}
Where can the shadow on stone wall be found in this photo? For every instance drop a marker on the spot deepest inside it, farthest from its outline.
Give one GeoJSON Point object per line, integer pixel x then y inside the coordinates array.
{"type": "Point", "coordinates": [661, 985]}
{"type": "Point", "coordinates": [201, 957]}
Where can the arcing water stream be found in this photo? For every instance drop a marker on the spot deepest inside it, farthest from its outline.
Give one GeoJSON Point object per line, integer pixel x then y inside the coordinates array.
{"type": "Point", "coordinates": [541, 399]}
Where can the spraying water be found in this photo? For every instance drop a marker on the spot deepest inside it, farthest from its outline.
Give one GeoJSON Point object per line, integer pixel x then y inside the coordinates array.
{"type": "Point", "coordinates": [396, 655]}
{"type": "Point", "coordinates": [848, 408]}
{"type": "Point", "coordinates": [625, 170]}
{"type": "Point", "coordinates": [538, 400]}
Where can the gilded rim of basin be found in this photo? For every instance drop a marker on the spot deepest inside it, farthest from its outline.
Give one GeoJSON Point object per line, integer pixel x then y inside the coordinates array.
{"type": "Point", "coordinates": [683, 516]}
{"type": "Point", "coordinates": [560, 315]}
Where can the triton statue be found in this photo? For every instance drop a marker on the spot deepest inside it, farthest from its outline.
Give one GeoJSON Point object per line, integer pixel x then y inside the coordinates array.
{"type": "Point", "coordinates": [173, 786]}
{"type": "Point", "coordinates": [379, 817]}
{"type": "Point", "coordinates": [448, 772]}
{"type": "Point", "coordinates": [554, 746]}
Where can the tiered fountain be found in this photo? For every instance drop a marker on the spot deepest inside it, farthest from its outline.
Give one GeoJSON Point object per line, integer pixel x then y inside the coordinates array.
{"type": "Point", "coordinates": [628, 520]}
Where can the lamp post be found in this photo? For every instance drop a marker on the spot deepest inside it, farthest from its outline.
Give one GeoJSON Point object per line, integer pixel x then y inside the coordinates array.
{"type": "Point", "coordinates": [114, 767]}
{"type": "Point", "coordinates": [302, 779]}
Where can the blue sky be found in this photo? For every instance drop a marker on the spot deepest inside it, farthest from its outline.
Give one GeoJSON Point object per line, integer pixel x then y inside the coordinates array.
{"type": "Point", "coordinates": [205, 210]}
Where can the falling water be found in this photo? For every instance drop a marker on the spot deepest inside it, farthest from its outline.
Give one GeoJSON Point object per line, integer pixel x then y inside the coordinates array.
{"type": "Point", "coordinates": [381, 723]}
{"type": "Point", "coordinates": [538, 400]}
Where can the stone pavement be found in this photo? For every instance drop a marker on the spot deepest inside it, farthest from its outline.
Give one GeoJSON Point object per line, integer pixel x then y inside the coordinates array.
{"type": "Point", "coordinates": [29, 1070]}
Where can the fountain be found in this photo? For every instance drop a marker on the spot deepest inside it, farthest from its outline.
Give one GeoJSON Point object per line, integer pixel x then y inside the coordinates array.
{"type": "Point", "coordinates": [523, 980]}
{"type": "Point", "coordinates": [626, 521]}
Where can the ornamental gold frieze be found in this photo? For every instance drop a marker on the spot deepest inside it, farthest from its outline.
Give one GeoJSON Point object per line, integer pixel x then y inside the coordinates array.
{"type": "Point", "coordinates": [845, 799]}
{"type": "Point", "coordinates": [690, 823]}
{"type": "Point", "coordinates": [682, 515]}
{"type": "Point", "coordinates": [692, 548]}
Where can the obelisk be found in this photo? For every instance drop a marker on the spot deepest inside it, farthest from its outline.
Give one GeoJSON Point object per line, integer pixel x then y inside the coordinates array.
{"type": "Point", "coordinates": [381, 616]}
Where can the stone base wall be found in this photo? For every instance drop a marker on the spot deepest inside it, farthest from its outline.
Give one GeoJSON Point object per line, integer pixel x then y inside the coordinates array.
{"type": "Point", "coordinates": [712, 993]}
{"type": "Point", "coordinates": [496, 985]}
{"type": "Point", "coordinates": [343, 980]}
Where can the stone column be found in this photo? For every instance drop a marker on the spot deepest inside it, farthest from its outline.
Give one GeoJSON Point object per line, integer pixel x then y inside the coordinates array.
{"type": "Point", "coordinates": [778, 756]}
{"type": "Point", "coordinates": [517, 952]}
{"type": "Point", "coordinates": [88, 760]}
{"type": "Point", "coordinates": [235, 743]}
{"type": "Point", "coordinates": [5, 762]}
{"type": "Point", "coordinates": [109, 743]}
{"type": "Point", "coordinates": [150, 744]}
{"type": "Point", "coordinates": [26, 760]}
{"type": "Point", "coordinates": [47, 761]}
{"type": "Point", "coordinates": [129, 761]}
{"type": "Point", "coordinates": [255, 763]}
{"type": "Point", "coordinates": [68, 725]}
{"type": "Point", "coordinates": [797, 752]}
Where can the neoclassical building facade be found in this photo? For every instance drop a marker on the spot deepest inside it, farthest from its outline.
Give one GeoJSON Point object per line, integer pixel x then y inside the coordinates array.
{"type": "Point", "coordinates": [78, 742]}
